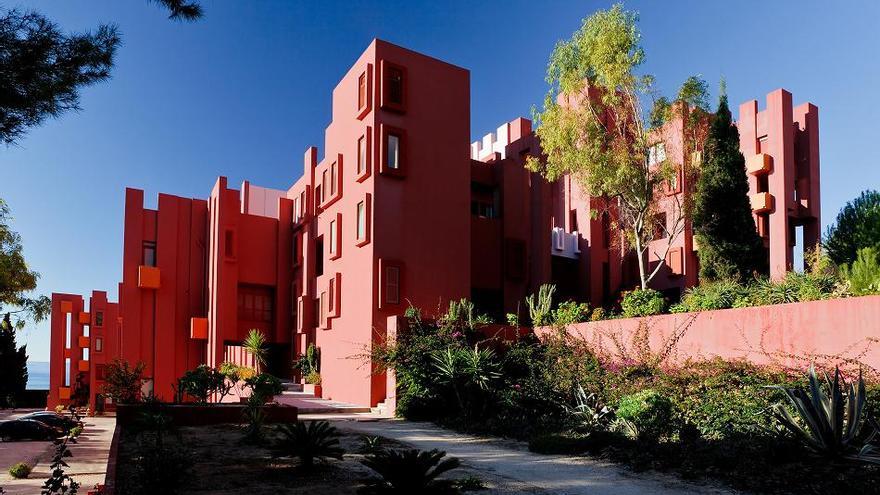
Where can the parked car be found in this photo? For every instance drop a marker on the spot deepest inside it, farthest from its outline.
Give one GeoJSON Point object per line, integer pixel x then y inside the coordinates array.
{"type": "Point", "coordinates": [52, 419]}
{"type": "Point", "coordinates": [27, 429]}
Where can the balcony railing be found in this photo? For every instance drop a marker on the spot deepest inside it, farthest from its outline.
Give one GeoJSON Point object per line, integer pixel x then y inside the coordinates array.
{"type": "Point", "coordinates": [565, 244]}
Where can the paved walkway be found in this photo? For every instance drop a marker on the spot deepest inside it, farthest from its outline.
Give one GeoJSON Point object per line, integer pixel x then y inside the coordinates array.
{"type": "Point", "coordinates": [537, 473]}
{"type": "Point", "coordinates": [88, 465]}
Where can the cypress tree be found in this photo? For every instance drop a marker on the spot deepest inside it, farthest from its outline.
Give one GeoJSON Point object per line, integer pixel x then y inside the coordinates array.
{"type": "Point", "coordinates": [13, 365]}
{"type": "Point", "coordinates": [729, 245]}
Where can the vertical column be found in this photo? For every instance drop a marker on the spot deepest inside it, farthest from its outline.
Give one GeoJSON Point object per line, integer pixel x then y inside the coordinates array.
{"type": "Point", "coordinates": [780, 139]}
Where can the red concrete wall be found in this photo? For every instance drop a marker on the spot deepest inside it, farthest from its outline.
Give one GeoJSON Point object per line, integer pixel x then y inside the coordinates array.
{"type": "Point", "coordinates": [828, 332]}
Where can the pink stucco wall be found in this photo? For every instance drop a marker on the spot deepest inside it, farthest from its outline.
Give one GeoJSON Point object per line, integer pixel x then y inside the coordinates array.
{"type": "Point", "coordinates": [792, 335]}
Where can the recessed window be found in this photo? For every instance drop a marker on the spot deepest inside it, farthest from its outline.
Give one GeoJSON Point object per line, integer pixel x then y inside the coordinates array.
{"type": "Point", "coordinates": [333, 178]}
{"type": "Point", "coordinates": [297, 213]}
{"type": "Point", "coordinates": [230, 243]}
{"type": "Point", "coordinates": [99, 344]}
{"type": "Point", "coordinates": [362, 155]}
{"type": "Point", "coordinates": [392, 284]}
{"type": "Point", "coordinates": [319, 256]}
{"type": "Point", "coordinates": [395, 85]}
{"type": "Point", "coordinates": [393, 154]}
{"type": "Point", "coordinates": [657, 154]}
{"type": "Point", "coordinates": [99, 318]}
{"type": "Point", "coordinates": [362, 91]}
{"type": "Point", "coordinates": [149, 253]}
{"type": "Point", "coordinates": [361, 220]}
{"type": "Point", "coordinates": [332, 237]}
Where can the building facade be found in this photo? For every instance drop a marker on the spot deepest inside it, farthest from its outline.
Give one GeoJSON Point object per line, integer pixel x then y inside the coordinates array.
{"type": "Point", "coordinates": [397, 212]}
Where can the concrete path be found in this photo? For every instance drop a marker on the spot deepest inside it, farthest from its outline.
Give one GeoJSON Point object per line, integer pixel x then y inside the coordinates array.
{"type": "Point", "coordinates": [536, 473]}
{"type": "Point", "coordinates": [88, 465]}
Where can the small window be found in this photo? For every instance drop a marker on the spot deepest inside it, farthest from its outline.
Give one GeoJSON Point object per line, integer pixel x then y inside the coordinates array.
{"type": "Point", "coordinates": [333, 178]}
{"type": "Point", "coordinates": [99, 344]}
{"type": "Point", "coordinates": [657, 154]}
{"type": "Point", "coordinates": [393, 154]}
{"type": "Point", "coordinates": [100, 372]}
{"type": "Point", "coordinates": [361, 221]}
{"type": "Point", "coordinates": [362, 155]}
{"type": "Point", "coordinates": [149, 253]}
{"type": "Point", "coordinates": [323, 308]}
{"type": "Point", "coordinates": [332, 237]}
{"type": "Point", "coordinates": [362, 91]}
{"type": "Point", "coordinates": [294, 249]}
{"type": "Point", "coordinates": [319, 256]}
{"type": "Point", "coordinates": [395, 85]}
{"type": "Point", "coordinates": [660, 226]}
{"type": "Point", "coordinates": [323, 185]}
{"type": "Point", "coordinates": [392, 284]}
{"type": "Point", "coordinates": [99, 318]}
{"type": "Point", "coordinates": [296, 210]}
{"type": "Point", "coordinates": [331, 304]}
{"type": "Point", "coordinates": [230, 243]}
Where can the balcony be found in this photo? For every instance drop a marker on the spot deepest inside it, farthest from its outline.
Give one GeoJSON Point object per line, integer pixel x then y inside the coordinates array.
{"type": "Point", "coordinates": [84, 318]}
{"type": "Point", "coordinates": [565, 244]}
{"type": "Point", "coordinates": [759, 164]}
{"type": "Point", "coordinates": [761, 202]}
{"type": "Point", "coordinates": [64, 393]}
{"type": "Point", "coordinates": [83, 342]}
{"type": "Point", "coordinates": [83, 365]}
{"type": "Point", "coordinates": [198, 328]}
{"type": "Point", "coordinates": [148, 277]}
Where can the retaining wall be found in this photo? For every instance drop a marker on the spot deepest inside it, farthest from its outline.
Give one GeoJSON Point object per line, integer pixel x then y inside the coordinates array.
{"type": "Point", "coordinates": [838, 331]}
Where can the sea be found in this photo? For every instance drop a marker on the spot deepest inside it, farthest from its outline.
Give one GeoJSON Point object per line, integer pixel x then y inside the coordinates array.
{"type": "Point", "coordinates": [38, 375]}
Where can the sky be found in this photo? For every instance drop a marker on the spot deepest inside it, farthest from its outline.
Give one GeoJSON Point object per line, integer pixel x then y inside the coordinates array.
{"type": "Point", "coordinates": [243, 92]}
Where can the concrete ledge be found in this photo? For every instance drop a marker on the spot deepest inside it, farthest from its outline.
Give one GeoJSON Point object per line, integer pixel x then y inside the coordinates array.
{"type": "Point", "coordinates": [205, 414]}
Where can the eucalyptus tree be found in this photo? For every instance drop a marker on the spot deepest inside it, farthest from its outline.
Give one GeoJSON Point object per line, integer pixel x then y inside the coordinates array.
{"type": "Point", "coordinates": [593, 128]}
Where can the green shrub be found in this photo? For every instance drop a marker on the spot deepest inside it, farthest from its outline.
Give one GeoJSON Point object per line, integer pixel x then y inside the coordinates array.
{"type": "Point", "coordinates": [265, 385]}
{"type": "Point", "coordinates": [559, 444]}
{"type": "Point", "coordinates": [310, 362]}
{"type": "Point", "coordinates": [715, 295]}
{"type": "Point", "coordinates": [863, 274]}
{"type": "Point", "coordinates": [122, 382]}
{"type": "Point", "coordinates": [313, 378]}
{"type": "Point", "coordinates": [512, 319]}
{"type": "Point", "coordinates": [20, 471]}
{"type": "Point", "coordinates": [570, 312]}
{"type": "Point", "coordinates": [649, 411]}
{"type": "Point", "coordinates": [203, 382]}
{"type": "Point", "coordinates": [76, 431]}
{"type": "Point", "coordinates": [600, 314]}
{"type": "Point", "coordinates": [160, 469]}
{"type": "Point", "coordinates": [645, 302]}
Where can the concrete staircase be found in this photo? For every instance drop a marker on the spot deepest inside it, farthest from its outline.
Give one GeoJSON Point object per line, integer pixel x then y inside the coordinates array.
{"type": "Point", "coordinates": [309, 404]}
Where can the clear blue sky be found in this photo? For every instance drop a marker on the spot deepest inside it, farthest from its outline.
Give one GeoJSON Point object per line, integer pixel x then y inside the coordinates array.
{"type": "Point", "coordinates": [243, 92]}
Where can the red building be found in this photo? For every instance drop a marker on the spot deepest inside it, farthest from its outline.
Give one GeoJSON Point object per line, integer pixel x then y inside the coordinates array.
{"type": "Point", "coordinates": [397, 212]}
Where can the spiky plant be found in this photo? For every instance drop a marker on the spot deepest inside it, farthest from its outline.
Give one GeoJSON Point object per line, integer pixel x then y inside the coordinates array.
{"type": "Point", "coordinates": [255, 344]}
{"type": "Point", "coordinates": [540, 305]}
{"type": "Point", "coordinates": [411, 471]}
{"type": "Point", "coordinates": [829, 421]}
{"type": "Point", "coordinates": [319, 440]}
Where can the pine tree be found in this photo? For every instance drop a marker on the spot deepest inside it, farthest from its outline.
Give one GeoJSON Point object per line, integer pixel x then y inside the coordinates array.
{"type": "Point", "coordinates": [729, 245]}
{"type": "Point", "coordinates": [13, 364]}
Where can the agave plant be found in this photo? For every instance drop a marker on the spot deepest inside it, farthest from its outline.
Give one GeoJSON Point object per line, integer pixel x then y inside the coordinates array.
{"type": "Point", "coordinates": [411, 471]}
{"type": "Point", "coordinates": [318, 441]}
{"type": "Point", "coordinates": [830, 423]}
{"type": "Point", "coordinates": [588, 413]}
